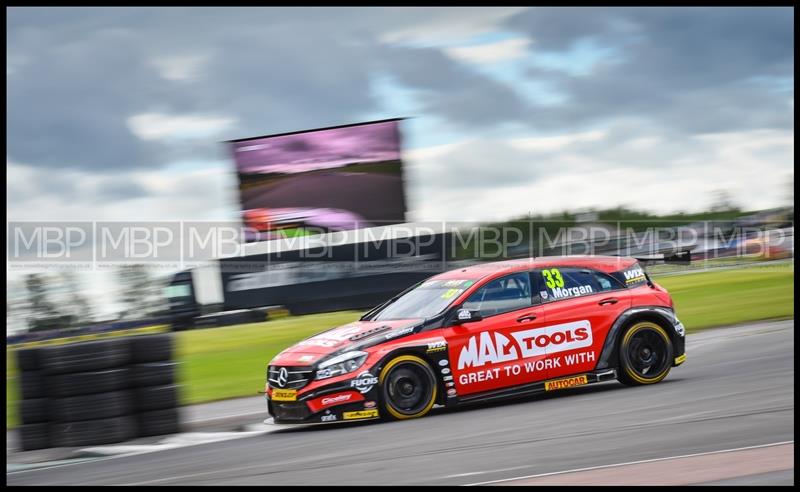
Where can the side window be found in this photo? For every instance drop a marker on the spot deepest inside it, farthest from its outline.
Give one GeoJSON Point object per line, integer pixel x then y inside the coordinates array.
{"type": "Point", "coordinates": [562, 283]}
{"type": "Point", "coordinates": [501, 295]}
{"type": "Point", "coordinates": [606, 282]}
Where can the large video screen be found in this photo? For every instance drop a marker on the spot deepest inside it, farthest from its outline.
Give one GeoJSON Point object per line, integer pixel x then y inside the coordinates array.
{"type": "Point", "coordinates": [319, 181]}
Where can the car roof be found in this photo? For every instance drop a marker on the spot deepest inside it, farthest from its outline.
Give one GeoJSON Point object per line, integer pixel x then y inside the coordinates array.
{"type": "Point", "coordinates": [606, 264]}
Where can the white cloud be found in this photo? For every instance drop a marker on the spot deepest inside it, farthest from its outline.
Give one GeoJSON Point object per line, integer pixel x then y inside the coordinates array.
{"type": "Point", "coordinates": [556, 142]}
{"type": "Point", "coordinates": [207, 192]}
{"type": "Point", "coordinates": [599, 170]}
{"type": "Point", "coordinates": [179, 68]}
{"type": "Point", "coordinates": [158, 126]}
{"type": "Point", "coordinates": [442, 25]}
{"type": "Point", "coordinates": [507, 49]}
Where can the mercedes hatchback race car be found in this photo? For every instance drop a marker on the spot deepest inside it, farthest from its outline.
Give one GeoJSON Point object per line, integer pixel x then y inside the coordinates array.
{"type": "Point", "coordinates": [479, 333]}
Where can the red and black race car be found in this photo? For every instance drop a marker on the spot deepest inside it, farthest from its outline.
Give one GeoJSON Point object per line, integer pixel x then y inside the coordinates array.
{"type": "Point", "coordinates": [480, 333]}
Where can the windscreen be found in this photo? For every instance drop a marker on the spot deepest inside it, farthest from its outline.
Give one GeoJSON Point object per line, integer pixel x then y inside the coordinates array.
{"type": "Point", "coordinates": [427, 300]}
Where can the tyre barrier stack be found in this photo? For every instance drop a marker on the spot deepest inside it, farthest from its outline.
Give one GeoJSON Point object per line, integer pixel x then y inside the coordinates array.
{"type": "Point", "coordinates": [97, 392]}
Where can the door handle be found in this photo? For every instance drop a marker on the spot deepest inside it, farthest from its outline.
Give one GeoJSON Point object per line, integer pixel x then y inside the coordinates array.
{"type": "Point", "coordinates": [608, 300]}
{"type": "Point", "coordinates": [526, 317]}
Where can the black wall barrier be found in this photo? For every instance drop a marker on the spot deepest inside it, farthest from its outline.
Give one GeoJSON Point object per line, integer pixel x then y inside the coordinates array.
{"type": "Point", "coordinates": [349, 276]}
{"type": "Point", "coordinates": [97, 392]}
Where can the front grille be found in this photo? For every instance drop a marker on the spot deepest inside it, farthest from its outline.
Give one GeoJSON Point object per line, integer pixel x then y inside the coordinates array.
{"type": "Point", "coordinates": [294, 377]}
{"type": "Point", "coordinates": [290, 411]}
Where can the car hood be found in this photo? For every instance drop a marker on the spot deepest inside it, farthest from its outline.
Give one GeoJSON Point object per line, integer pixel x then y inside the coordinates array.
{"type": "Point", "coordinates": [352, 336]}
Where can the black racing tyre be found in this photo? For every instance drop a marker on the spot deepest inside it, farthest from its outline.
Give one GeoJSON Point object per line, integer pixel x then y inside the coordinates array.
{"type": "Point", "coordinates": [93, 432]}
{"type": "Point", "coordinates": [91, 382]}
{"type": "Point", "coordinates": [34, 436]}
{"type": "Point", "coordinates": [151, 348]}
{"type": "Point", "coordinates": [85, 356]}
{"type": "Point", "coordinates": [90, 407]}
{"type": "Point", "coordinates": [31, 385]}
{"type": "Point", "coordinates": [645, 354]}
{"type": "Point", "coordinates": [408, 387]}
{"type": "Point", "coordinates": [34, 411]}
{"type": "Point", "coordinates": [156, 397]}
{"type": "Point", "coordinates": [153, 373]}
{"type": "Point", "coordinates": [28, 359]}
{"type": "Point", "coordinates": [158, 422]}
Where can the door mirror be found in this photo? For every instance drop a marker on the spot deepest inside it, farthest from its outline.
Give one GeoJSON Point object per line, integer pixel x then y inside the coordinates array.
{"type": "Point", "coordinates": [467, 316]}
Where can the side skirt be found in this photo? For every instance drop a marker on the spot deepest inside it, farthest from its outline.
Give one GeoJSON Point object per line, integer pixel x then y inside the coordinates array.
{"type": "Point", "coordinates": [565, 382]}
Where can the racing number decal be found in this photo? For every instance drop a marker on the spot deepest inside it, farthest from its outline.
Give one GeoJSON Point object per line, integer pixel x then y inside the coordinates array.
{"type": "Point", "coordinates": [553, 278]}
{"type": "Point", "coordinates": [450, 293]}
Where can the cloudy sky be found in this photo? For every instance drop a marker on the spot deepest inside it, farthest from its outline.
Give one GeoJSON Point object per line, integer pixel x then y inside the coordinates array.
{"type": "Point", "coordinates": [119, 113]}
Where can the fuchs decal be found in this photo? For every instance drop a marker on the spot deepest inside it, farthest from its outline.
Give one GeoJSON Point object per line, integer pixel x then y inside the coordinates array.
{"type": "Point", "coordinates": [364, 382]}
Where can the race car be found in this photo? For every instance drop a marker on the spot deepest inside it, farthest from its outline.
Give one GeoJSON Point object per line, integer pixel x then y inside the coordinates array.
{"type": "Point", "coordinates": [489, 331]}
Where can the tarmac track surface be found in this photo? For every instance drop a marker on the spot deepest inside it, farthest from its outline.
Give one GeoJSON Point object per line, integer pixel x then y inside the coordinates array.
{"type": "Point", "coordinates": [375, 197]}
{"type": "Point", "coordinates": [734, 394]}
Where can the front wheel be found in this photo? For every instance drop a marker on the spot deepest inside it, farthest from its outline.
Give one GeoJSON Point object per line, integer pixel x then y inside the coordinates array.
{"type": "Point", "coordinates": [408, 387]}
{"type": "Point", "coordinates": [645, 354]}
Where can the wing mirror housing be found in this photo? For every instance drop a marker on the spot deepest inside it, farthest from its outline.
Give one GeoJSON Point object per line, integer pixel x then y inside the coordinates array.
{"type": "Point", "coordinates": [467, 316]}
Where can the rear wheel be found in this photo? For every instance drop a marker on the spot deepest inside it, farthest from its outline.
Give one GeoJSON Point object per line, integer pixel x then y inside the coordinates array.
{"type": "Point", "coordinates": [408, 387]}
{"type": "Point", "coordinates": [645, 354]}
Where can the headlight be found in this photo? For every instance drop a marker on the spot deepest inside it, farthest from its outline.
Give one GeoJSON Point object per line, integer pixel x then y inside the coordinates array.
{"type": "Point", "coordinates": [679, 329]}
{"type": "Point", "coordinates": [341, 364]}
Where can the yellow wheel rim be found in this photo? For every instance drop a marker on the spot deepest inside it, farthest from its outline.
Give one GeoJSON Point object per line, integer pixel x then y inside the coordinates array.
{"type": "Point", "coordinates": [388, 406]}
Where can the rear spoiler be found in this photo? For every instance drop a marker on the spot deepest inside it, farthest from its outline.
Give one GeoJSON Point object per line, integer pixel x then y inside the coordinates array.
{"type": "Point", "coordinates": [676, 258]}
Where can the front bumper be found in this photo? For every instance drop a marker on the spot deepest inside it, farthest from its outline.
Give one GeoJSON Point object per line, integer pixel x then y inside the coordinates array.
{"type": "Point", "coordinates": [679, 345]}
{"type": "Point", "coordinates": [336, 402]}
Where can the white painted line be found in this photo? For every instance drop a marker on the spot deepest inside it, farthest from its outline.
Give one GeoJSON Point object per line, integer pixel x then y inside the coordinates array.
{"type": "Point", "coordinates": [626, 463]}
{"type": "Point", "coordinates": [112, 451]}
{"type": "Point", "coordinates": [489, 471]}
{"type": "Point", "coordinates": [17, 467]}
{"type": "Point", "coordinates": [170, 442]}
{"type": "Point", "coordinates": [221, 417]}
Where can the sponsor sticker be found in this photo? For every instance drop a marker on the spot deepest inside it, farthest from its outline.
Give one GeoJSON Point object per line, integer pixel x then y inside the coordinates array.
{"type": "Point", "coordinates": [284, 395]}
{"type": "Point", "coordinates": [494, 348]}
{"type": "Point", "coordinates": [341, 398]}
{"type": "Point", "coordinates": [452, 283]}
{"type": "Point", "coordinates": [443, 362]}
{"type": "Point", "coordinates": [370, 404]}
{"type": "Point", "coordinates": [446, 370]}
{"type": "Point", "coordinates": [332, 400]}
{"type": "Point", "coordinates": [360, 414]}
{"type": "Point", "coordinates": [436, 346]}
{"type": "Point", "coordinates": [398, 333]}
{"type": "Point", "coordinates": [571, 382]}
{"type": "Point", "coordinates": [451, 392]}
{"type": "Point", "coordinates": [633, 275]}
{"type": "Point", "coordinates": [364, 382]}
{"type": "Point", "coordinates": [328, 418]}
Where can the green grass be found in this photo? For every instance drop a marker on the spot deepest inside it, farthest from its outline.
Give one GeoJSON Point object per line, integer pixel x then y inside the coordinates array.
{"type": "Point", "coordinates": [228, 362]}
{"type": "Point", "coordinates": [707, 299]}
